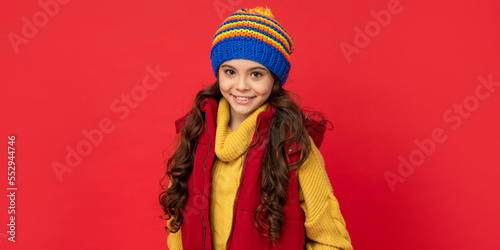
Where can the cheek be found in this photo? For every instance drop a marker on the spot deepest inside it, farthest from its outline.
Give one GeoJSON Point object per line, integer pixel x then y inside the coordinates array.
{"type": "Point", "coordinates": [264, 90]}
{"type": "Point", "coordinates": [224, 83]}
{"type": "Point", "coordinates": [224, 86]}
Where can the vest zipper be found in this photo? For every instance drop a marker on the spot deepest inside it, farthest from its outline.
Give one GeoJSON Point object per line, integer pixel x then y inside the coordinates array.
{"type": "Point", "coordinates": [203, 197]}
{"type": "Point", "coordinates": [241, 177]}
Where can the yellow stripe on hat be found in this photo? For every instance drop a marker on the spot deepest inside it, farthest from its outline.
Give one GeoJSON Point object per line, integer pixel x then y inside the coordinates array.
{"type": "Point", "coordinates": [257, 26]}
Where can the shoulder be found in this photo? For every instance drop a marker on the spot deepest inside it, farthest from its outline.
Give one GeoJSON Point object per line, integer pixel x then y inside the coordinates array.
{"type": "Point", "coordinates": [209, 104]}
{"type": "Point", "coordinates": [315, 129]}
{"type": "Point", "coordinates": [315, 157]}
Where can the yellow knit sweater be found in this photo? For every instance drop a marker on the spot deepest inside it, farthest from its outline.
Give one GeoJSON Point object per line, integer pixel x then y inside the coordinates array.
{"type": "Point", "coordinates": [325, 226]}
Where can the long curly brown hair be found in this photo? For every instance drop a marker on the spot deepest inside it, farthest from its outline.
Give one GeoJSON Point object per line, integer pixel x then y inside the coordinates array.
{"type": "Point", "coordinates": [286, 127]}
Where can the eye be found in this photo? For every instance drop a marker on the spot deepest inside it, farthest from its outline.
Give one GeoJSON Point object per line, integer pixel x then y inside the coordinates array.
{"type": "Point", "coordinates": [229, 72]}
{"type": "Point", "coordinates": [256, 74]}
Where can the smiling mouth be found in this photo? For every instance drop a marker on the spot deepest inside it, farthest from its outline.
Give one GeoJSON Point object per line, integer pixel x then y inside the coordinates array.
{"type": "Point", "coordinates": [241, 98]}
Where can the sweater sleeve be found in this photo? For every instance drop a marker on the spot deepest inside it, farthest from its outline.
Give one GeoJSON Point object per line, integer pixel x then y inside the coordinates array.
{"type": "Point", "coordinates": [324, 223]}
{"type": "Point", "coordinates": [174, 240]}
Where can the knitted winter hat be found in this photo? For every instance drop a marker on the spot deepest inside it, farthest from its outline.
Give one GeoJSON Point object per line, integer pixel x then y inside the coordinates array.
{"type": "Point", "coordinates": [253, 34]}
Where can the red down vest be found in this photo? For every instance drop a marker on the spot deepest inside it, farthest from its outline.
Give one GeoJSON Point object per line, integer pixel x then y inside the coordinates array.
{"type": "Point", "coordinates": [196, 232]}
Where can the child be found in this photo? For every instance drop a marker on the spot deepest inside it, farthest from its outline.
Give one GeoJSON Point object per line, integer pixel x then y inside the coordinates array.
{"type": "Point", "coordinates": [247, 173]}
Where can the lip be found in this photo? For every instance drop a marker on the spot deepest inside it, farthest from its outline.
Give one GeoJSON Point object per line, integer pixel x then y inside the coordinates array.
{"type": "Point", "coordinates": [251, 98]}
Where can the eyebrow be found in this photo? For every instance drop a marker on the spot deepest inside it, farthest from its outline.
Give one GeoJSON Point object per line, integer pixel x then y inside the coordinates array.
{"type": "Point", "coordinates": [252, 68]}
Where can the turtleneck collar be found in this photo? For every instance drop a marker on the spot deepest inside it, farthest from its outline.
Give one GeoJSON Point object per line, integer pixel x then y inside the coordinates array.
{"type": "Point", "coordinates": [230, 145]}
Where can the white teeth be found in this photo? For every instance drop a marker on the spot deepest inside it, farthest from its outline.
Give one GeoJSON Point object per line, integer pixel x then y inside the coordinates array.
{"type": "Point", "coordinates": [242, 98]}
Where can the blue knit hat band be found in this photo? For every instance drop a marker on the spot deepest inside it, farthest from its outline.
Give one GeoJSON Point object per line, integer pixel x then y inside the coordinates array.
{"type": "Point", "coordinates": [251, 49]}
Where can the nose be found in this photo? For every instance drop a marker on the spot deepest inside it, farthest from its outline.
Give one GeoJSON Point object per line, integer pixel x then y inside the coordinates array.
{"type": "Point", "coordinates": [242, 84]}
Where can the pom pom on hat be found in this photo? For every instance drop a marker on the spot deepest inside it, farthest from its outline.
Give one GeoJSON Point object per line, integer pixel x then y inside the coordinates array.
{"type": "Point", "coordinates": [262, 11]}
{"type": "Point", "coordinates": [253, 34]}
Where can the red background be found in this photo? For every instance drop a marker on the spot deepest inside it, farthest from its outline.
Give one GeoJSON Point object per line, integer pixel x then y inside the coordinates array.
{"type": "Point", "coordinates": [65, 78]}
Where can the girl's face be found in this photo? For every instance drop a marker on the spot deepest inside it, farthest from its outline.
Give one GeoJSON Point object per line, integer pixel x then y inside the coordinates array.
{"type": "Point", "coordinates": [245, 84]}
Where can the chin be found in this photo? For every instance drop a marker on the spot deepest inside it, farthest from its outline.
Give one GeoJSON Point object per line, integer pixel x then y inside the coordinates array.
{"type": "Point", "coordinates": [244, 112]}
